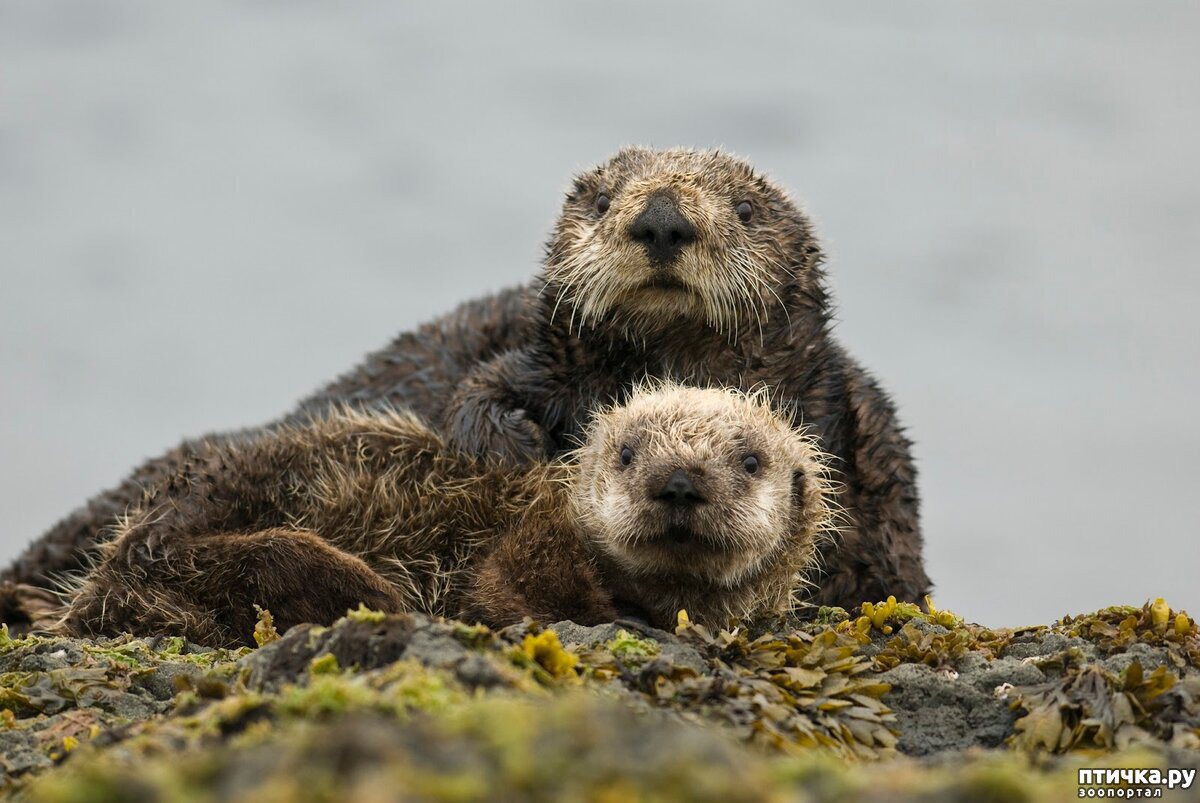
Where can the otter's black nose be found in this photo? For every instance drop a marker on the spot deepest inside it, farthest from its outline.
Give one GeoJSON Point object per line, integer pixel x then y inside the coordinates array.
{"type": "Point", "coordinates": [679, 490]}
{"type": "Point", "coordinates": [662, 230]}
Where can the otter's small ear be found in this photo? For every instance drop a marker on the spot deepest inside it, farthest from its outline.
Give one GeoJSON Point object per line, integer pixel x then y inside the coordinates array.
{"type": "Point", "coordinates": [798, 485]}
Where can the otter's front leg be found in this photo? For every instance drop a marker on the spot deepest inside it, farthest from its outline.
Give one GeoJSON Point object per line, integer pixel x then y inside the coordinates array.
{"type": "Point", "coordinates": [491, 412]}
{"type": "Point", "coordinates": [205, 588]}
{"type": "Point", "coordinates": [878, 553]}
{"type": "Point", "coordinates": [540, 572]}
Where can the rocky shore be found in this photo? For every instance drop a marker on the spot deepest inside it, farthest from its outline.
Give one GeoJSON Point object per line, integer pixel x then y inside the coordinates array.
{"type": "Point", "coordinates": [881, 703]}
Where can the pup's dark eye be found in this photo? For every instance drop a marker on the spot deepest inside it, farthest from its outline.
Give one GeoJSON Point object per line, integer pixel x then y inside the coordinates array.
{"type": "Point", "coordinates": [745, 211]}
{"type": "Point", "coordinates": [602, 203]}
{"type": "Point", "coordinates": [626, 455]}
{"type": "Point", "coordinates": [751, 464]}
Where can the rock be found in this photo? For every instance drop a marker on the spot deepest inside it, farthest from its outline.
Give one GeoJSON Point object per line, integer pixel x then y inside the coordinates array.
{"type": "Point", "coordinates": [379, 704]}
{"type": "Point", "coordinates": [1149, 657]}
{"type": "Point", "coordinates": [936, 712]}
{"type": "Point", "coordinates": [670, 647]}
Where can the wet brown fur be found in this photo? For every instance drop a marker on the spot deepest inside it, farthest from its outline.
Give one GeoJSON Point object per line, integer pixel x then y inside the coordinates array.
{"type": "Point", "coordinates": [374, 508]}
{"type": "Point", "coordinates": [514, 374]}
{"type": "Point", "coordinates": [744, 306]}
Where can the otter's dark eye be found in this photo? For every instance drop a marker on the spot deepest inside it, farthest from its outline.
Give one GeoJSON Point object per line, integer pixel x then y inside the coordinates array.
{"type": "Point", "coordinates": [602, 203]}
{"type": "Point", "coordinates": [751, 464]}
{"type": "Point", "coordinates": [626, 455]}
{"type": "Point", "coordinates": [745, 211]}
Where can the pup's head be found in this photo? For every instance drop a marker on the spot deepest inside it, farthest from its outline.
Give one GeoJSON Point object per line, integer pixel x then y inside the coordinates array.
{"type": "Point", "coordinates": [705, 498]}
{"type": "Point", "coordinates": [653, 237]}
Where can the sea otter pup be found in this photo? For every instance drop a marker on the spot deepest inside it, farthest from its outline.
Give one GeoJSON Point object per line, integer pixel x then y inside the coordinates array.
{"type": "Point", "coordinates": [700, 499]}
{"type": "Point", "coordinates": [676, 263]}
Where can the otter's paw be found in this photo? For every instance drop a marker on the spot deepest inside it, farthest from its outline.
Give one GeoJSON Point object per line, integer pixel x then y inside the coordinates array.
{"type": "Point", "coordinates": [26, 608]}
{"type": "Point", "coordinates": [140, 549]}
{"type": "Point", "coordinates": [510, 435]}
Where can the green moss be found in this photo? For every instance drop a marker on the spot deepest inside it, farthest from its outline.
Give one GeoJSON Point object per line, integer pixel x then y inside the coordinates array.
{"type": "Point", "coordinates": [516, 714]}
{"type": "Point", "coordinates": [130, 654]}
{"type": "Point", "coordinates": [475, 636]}
{"type": "Point", "coordinates": [314, 634]}
{"type": "Point", "coordinates": [364, 614]}
{"type": "Point", "coordinates": [326, 664]}
{"type": "Point", "coordinates": [172, 646]}
{"type": "Point", "coordinates": [323, 696]}
{"type": "Point", "coordinates": [572, 747]}
{"type": "Point", "coordinates": [414, 687]}
{"type": "Point", "coordinates": [831, 615]}
{"type": "Point", "coordinates": [632, 650]}
{"type": "Point", "coordinates": [9, 643]}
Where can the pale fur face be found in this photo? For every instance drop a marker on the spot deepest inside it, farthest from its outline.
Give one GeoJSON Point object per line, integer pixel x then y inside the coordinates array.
{"type": "Point", "coordinates": [744, 522]}
{"type": "Point", "coordinates": [729, 278]}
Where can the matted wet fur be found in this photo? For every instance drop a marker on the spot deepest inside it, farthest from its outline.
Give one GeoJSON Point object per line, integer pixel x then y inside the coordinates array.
{"type": "Point", "coordinates": [714, 300]}
{"type": "Point", "coordinates": [727, 289]}
{"type": "Point", "coordinates": [309, 521]}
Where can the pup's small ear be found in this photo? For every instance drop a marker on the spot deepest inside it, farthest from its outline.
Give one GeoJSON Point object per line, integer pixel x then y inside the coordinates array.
{"type": "Point", "coordinates": [798, 485]}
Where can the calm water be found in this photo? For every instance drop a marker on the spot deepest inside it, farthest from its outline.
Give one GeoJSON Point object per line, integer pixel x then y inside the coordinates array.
{"type": "Point", "coordinates": [206, 214]}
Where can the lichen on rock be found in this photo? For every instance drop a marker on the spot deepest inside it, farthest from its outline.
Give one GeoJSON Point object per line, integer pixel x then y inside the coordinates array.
{"type": "Point", "coordinates": [914, 703]}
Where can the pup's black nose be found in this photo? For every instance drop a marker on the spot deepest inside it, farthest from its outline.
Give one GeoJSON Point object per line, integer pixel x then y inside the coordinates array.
{"type": "Point", "coordinates": [662, 230]}
{"type": "Point", "coordinates": [679, 490]}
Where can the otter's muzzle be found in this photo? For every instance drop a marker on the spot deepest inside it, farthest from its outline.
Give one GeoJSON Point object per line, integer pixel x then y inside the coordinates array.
{"type": "Point", "coordinates": [662, 230]}
{"type": "Point", "coordinates": [679, 491]}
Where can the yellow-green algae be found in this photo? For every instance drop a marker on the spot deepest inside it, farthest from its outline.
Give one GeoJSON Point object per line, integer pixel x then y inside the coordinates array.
{"type": "Point", "coordinates": [631, 649]}
{"type": "Point", "coordinates": [364, 614]}
{"type": "Point", "coordinates": [766, 712]}
{"type": "Point", "coordinates": [264, 631]}
{"type": "Point", "coordinates": [573, 746]}
{"type": "Point", "coordinates": [793, 691]}
{"type": "Point", "coordinates": [324, 665]}
{"type": "Point", "coordinates": [1092, 709]}
{"type": "Point", "coordinates": [1117, 627]}
{"type": "Point", "coordinates": [545, 656]}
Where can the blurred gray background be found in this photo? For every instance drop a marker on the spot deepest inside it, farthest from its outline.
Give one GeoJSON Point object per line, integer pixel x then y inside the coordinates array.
{"type": "Point", "coordinates": [207, 210]}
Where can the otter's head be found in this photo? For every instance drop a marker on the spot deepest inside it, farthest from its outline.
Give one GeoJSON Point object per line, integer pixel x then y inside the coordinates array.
{"type": "Point", "coordinates": [705, 498]}
{"type": "Point", "coordinates": [652, 238]}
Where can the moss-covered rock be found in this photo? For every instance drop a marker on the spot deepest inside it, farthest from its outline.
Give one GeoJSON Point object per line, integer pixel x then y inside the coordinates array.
{"type": "Point", "coordinates": [885, 702]}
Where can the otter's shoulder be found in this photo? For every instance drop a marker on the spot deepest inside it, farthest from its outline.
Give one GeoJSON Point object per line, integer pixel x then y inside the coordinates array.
{"type": "Point", "coordinates": [418, 369]}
